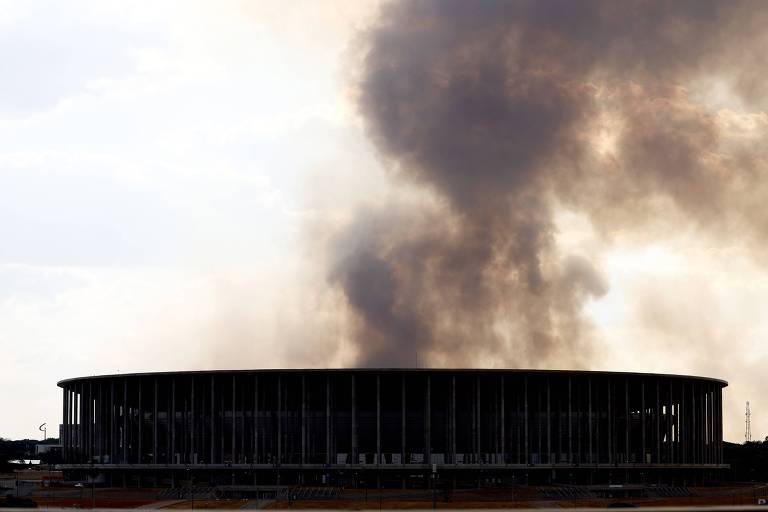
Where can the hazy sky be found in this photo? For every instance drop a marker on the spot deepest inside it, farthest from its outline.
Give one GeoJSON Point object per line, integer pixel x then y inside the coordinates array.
{"type": "Point", "coordinates": [168, 175]}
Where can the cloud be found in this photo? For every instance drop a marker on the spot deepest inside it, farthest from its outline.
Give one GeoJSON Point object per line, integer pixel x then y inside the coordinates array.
{"type": "Point", "coordinates": [150, 189]}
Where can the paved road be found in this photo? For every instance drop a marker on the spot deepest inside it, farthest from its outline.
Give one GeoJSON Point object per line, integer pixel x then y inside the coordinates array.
{"type": "Point", "coordinates": [161, 504]}
{"type": "Point", "coordinates": [256, 504]}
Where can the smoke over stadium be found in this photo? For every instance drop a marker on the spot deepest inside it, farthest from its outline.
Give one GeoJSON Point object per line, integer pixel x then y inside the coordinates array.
{"type": "Point", "coordinates": [500, 114]}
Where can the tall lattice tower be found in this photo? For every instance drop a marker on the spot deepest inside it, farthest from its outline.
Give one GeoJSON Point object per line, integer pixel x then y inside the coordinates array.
{"type": "Point", "coordinates": [748, 425]}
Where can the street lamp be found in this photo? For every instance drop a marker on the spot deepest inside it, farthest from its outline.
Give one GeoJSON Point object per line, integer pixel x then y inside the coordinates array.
{"type": "Point", "coordinates": [434, 489]}
{"type": "Point", "coordinates": [190, 487]}
{"type": "Point", "coordinates": [93, 491]}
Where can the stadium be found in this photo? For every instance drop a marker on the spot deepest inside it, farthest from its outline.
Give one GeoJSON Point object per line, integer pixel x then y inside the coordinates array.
{"type": "Point", "coordinates": [392, 428]}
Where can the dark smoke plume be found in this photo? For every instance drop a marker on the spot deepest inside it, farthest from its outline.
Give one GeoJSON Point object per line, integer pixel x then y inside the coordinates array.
{"type": "Point", "coordinates": [505, 111]}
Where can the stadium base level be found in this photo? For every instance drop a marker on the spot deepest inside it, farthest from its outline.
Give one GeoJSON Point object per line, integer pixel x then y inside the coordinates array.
{"type": "Point", "coordinates": [362, 477]}
{"type": "Point", "coordinates": [474, 427]}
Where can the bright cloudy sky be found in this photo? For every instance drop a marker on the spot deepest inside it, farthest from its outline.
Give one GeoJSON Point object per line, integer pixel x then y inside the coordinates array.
{"type": "Point", "coordinates": [157, 162]}
{"type": "Point", "coordinates": [161, 164]}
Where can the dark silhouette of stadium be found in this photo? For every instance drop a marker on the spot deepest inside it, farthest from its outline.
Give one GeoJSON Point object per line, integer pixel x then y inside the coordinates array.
{"type": "Point", "coordinates": [392, 427]}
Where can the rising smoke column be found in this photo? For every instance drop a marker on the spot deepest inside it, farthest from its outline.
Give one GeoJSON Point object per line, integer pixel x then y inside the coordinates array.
{"type": "Point", "coordinates": [503, 112]}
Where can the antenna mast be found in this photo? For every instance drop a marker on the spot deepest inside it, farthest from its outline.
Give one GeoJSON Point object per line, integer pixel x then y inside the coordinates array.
{"type": "Point", "coordinates": [748, 425]}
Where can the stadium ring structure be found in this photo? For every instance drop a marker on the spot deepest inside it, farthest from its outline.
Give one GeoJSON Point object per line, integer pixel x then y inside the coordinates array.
{"type": "Point", "coordinates": [392, 428]}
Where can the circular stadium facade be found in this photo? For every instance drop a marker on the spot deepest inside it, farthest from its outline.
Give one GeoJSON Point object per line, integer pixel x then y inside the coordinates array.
{"type": "Point", "coordinates": [392, 427]}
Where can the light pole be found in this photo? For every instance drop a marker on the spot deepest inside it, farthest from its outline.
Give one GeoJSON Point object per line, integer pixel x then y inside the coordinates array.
{"type": "Point", "coordinates": [191, 488]}
{"type": "Point", "coordinates": [434, 490]}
